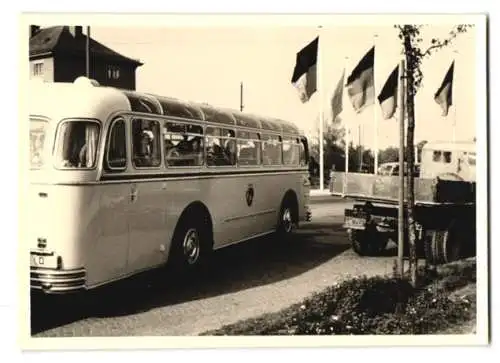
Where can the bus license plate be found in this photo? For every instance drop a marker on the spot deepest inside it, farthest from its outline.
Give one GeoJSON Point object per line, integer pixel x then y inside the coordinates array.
{"type": "Point", "coordinates": [44, 261]}
{"type": "Point", "coordinates": [353, 222]}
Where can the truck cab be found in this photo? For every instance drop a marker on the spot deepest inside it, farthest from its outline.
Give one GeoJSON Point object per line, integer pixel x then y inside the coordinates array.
{"type": "Point", "coordinates": [452, 161]}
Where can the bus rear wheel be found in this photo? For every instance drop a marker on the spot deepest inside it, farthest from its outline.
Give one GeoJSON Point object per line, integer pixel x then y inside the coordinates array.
{"type": "Point", "coordinates": [286, 219]}
{"type": "Point", "coordinates": [191, 245]}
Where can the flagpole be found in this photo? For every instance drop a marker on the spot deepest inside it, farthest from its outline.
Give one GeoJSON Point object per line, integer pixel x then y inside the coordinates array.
{"type": "Point", "coordinates": [454, 97]}
{"type": "Point", "coordinates": [320, 105]}
{"type": "Point", "coordinates": [346, 136]}
{"type": "Point", "coordinates": [360, 166]}
{"type": "Point", "coordinates": [241, 96]}
{"type": "Point", "coordinates": [375, 142]}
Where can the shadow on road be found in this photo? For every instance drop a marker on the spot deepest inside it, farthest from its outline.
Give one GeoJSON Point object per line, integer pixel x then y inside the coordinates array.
{"type": "Point", "coordinates": [251, 264]}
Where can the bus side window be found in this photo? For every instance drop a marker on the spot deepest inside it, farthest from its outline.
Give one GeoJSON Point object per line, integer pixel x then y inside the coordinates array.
{"type": "Point", "coordinates": [248, 148]}
{"type": "Point", "coordinates": [221, 147]}
{"type": "Point", "coordinates": [116, 156]}
{"type": "Point", "coordinates": [183, 144]}
{"type": "Point", "coordinates": [291, 152]}
{"type": "Point", "coordinates": [271, 150]}
{"type": "Point", "coordinates": [146, 143]}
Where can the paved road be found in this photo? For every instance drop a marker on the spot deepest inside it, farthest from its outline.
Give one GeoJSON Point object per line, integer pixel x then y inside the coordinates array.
{"type": "Point", "coordinates": [244, 281]}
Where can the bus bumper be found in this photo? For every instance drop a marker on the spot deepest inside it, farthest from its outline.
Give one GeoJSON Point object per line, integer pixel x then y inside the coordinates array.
{"type": "Point", "coordinates": [57, 281]}
{"type": "Point", "coordinates": [308, 214]}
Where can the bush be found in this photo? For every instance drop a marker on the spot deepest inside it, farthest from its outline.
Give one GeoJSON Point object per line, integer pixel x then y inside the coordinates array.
{"type": "Point", "coordinates": [375, 305]}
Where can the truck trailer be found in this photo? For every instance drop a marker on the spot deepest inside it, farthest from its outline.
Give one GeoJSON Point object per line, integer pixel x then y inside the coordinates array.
{"type": "Point", "coordinates": [445, 204]}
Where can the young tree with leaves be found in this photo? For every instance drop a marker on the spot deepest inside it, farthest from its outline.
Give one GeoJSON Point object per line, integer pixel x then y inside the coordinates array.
{"type": "Point", "coordinates": [414, 54]}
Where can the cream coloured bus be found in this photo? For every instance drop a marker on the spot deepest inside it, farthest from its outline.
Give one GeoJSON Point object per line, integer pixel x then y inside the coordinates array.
{"type": "Point", "coordinates": [122, 182]}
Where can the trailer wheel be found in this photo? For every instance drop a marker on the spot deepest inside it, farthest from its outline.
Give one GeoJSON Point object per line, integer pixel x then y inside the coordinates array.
{"type": "Point", "coordinates": [368, 242]}
{"type": "Point", "coordinates": [444, 246]}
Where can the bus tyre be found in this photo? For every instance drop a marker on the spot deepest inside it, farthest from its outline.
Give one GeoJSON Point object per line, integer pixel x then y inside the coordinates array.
{"type": "Point", "coordinates": [190, 245]}
{"type": "Point", "coordinates": [286, 219]}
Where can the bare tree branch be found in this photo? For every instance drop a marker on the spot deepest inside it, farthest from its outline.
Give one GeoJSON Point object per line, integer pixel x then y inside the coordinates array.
{"type": "Point", "coordinates": [438, 44]}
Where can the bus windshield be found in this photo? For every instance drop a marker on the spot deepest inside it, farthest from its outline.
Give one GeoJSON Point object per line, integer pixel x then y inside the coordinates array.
{"type": "Point", "coordinates": [77, 144]}
{"type": "Point", "coordinates": [37, 143]}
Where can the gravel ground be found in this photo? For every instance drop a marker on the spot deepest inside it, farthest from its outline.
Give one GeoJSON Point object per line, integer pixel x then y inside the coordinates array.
{"type": "Point", "coordinates": [244, 281]}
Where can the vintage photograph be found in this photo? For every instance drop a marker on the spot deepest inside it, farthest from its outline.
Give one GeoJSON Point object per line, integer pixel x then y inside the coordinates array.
{"type": "Point", "coordinates": [265, 176]}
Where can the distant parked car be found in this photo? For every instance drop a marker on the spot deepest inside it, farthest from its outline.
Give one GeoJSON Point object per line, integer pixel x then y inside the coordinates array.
{"type": "Point", "coordinates": [393, 169]}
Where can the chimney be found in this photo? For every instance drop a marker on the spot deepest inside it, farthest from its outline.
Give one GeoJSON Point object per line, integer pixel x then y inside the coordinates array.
{"type": "Point", "coordinates": [76, 31]}
{"type": "Point", "coordinates": [33, 30]}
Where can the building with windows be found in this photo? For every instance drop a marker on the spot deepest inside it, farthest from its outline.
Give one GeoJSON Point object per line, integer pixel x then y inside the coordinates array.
{"type": "Point", "coordinates": [58, 54]}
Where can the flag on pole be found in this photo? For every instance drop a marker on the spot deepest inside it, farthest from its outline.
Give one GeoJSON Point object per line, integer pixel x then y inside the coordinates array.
{"type": "Point", "coordinates": [304, 73]}
{"type": "Point", "coordinates": [337, 98]}
{"type": "Point", "coordinates": [443, 96]}
{"type": "Point", "coordinates": [388, 96]}
{"type": "Point", "coordinates": [360, 85]}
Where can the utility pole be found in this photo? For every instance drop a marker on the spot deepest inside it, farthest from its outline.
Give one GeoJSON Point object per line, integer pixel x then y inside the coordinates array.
{"type": "Point", "coordinates": [241, 97]}
{"type": "Point", "coordinates": [87, 53]}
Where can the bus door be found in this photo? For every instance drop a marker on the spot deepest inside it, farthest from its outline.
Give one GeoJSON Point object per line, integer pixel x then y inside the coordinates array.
{"type": "Point", "coordinates": [147, 198]}
{"type": "Point", "coordinates": [108, 259]}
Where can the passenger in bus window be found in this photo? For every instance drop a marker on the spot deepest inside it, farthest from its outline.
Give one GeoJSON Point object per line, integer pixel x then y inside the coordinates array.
{"type": "Point", "coordinates": [197, 151]}
{"type": "Point", "coordinates": [216, 155]}
{"type": "Point", "coordinates": [82, 156]}
{"type": "Point", "coordinates": [230, 152]}
{"type": "Point", "coordinates": [146, 152]}
{"type": "Point", "coordinates": [147, 139]}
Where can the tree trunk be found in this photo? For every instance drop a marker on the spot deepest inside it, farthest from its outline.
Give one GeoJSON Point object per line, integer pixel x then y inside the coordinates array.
{"type": "Point", "coordinates": [410, 152]}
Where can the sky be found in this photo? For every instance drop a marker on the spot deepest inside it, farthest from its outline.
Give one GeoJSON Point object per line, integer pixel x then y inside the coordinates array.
{"type": "Point", "coordinates": [207, 64]}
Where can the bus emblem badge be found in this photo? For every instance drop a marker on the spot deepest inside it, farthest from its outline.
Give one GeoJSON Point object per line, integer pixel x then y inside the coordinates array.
{"type": "Point", "coordinates": [249, 194]}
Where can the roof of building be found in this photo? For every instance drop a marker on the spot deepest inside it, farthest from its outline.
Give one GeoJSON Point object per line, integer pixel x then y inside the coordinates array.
{"type": "Point", "coordinates": [57, 39]}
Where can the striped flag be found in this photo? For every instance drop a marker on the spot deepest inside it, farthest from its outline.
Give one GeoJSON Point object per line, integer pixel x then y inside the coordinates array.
{"type": "Point", "coordinates": [443, 96]}
{"type": "Point", "coordinates": [337, 98]}
{"type": "Point", "coordinates": [304, 73]}
{"type": "Point", "coordinates": [388, 96]}
{"type": "Point", "coordinates": [360, 87]}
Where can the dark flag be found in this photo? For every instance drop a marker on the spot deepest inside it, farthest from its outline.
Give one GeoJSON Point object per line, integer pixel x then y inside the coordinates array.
{"type": "Point", "coordinates": [388, 96]}
{"type": "Point", "coordinates": [444, 94]}
{"type": "Point", "coordinates": [360, 87]}
{"type": "Point", "coordinates": [304, 73]}
{"type": "Point", "coordinates": [337, 98]}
